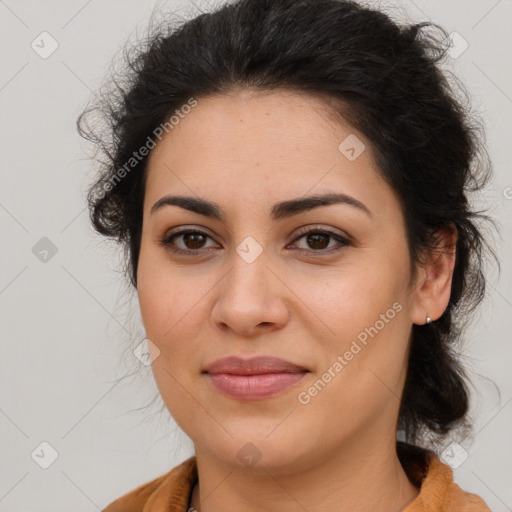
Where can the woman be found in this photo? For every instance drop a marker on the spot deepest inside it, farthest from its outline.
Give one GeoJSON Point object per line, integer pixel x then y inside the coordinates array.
{"type": "Point", "coordinates": [290, 180]}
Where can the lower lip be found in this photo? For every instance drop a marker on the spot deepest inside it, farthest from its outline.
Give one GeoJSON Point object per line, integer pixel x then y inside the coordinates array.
{"type": "Point", "coordinates": [254, 387]}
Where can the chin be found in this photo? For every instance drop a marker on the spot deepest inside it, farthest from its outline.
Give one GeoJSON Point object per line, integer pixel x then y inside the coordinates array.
{"type": "Point", "coordinates": [258, 452]}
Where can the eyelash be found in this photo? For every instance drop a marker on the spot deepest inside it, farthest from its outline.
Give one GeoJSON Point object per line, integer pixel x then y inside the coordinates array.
{"type": "Point", "coordinates": [167, 241]}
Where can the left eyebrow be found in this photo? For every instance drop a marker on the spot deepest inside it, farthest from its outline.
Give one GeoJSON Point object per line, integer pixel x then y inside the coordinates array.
{"type": "Point", "coordinates": [294, 206]}
{"type": "Point", "coordinates": [279, 211]}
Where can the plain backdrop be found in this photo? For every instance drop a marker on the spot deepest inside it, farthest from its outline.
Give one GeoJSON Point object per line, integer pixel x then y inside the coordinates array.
{"type": "Point", "coordinates": [69, 322]}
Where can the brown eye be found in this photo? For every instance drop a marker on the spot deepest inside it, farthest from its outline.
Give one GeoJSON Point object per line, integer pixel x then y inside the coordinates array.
{"type": "Point", "coordinates": [186, 242]}
{"type": "Point", "coordinates": [193, 240]}
{"type": "Point", "coordinates": [319, 240]}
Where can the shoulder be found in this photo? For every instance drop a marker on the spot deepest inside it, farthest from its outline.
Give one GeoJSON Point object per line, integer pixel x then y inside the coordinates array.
{"type": "Point", "coordinates": [441, 489]}
{"type": "Point", "coordinates": [438, 491]}
{"type": "Point", "coordinates": [172, 487]}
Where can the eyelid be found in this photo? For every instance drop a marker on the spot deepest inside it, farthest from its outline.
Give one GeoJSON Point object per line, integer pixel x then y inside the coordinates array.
{"type": "Point", "coordinates": [187, 228]}
{"type": "Point", "coordinates": [322, 229]}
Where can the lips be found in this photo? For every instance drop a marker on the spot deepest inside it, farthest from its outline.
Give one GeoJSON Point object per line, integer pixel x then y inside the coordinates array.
{"type": "Point", "coordinates": [253, 366]}
{"type": "Point", "coordinates": [256, 378]}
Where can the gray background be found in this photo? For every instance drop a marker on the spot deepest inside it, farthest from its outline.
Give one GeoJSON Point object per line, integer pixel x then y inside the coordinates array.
{"type": "Point", "coordinates": [69, 323]}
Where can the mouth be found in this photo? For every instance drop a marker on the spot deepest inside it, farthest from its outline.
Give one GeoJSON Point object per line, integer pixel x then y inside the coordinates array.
{"type": "Point", "coordinates": [256, 378]}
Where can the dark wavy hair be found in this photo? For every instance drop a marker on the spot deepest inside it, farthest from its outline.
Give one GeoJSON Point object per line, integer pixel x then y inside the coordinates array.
{"type": "Point", "coordinates": [385, 79]}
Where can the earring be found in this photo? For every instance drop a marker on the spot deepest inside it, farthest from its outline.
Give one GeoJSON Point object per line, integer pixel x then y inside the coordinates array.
{"type": "Point", "coordinates": [429, 320]}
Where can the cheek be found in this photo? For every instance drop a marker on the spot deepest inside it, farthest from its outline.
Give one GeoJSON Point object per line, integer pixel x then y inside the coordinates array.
{"type": "Point", "coordinates": [169, 315]}
{"type": "Point", "coordinates": [167, 309]}
{"type": "Point", "coordinates": [360, 315]}
{"type": "Point", "coordinates": [164, 294]}
{"type": "Point", "coordinates": [174, 308]}
{"type": "Point", "coordinates": [362, 370]}
{"type": "Point", "coordinates": [347, 299]}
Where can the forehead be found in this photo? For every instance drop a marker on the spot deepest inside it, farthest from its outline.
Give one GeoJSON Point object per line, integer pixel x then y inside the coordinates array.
{"type": "Point", "coordinates": [250, 146]}
{"type": "Point", "coordinates": [251, 124]}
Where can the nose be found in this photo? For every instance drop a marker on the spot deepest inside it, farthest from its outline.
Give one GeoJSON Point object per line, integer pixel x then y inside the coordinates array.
{"type": "Point", "coordinates": [251, 299]}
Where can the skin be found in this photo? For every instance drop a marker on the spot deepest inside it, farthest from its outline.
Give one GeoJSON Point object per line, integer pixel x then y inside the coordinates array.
{"type": "Point", "coordinates": [246, 151]}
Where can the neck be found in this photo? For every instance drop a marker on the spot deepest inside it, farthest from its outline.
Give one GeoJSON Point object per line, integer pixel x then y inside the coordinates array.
{"type": "Point", "coordinates": [360, 477]}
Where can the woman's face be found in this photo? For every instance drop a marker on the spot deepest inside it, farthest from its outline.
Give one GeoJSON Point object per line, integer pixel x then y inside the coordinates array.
{"type": "Point", "coordinates": [254, 284]}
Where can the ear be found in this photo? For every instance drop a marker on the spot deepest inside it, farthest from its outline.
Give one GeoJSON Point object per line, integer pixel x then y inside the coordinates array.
{"type": "Point", "coordinates": [434, 280]}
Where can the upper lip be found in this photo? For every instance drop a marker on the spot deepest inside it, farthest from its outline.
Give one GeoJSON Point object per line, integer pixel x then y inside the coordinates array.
{"type": "Point", "coordinates": [255, 365]}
